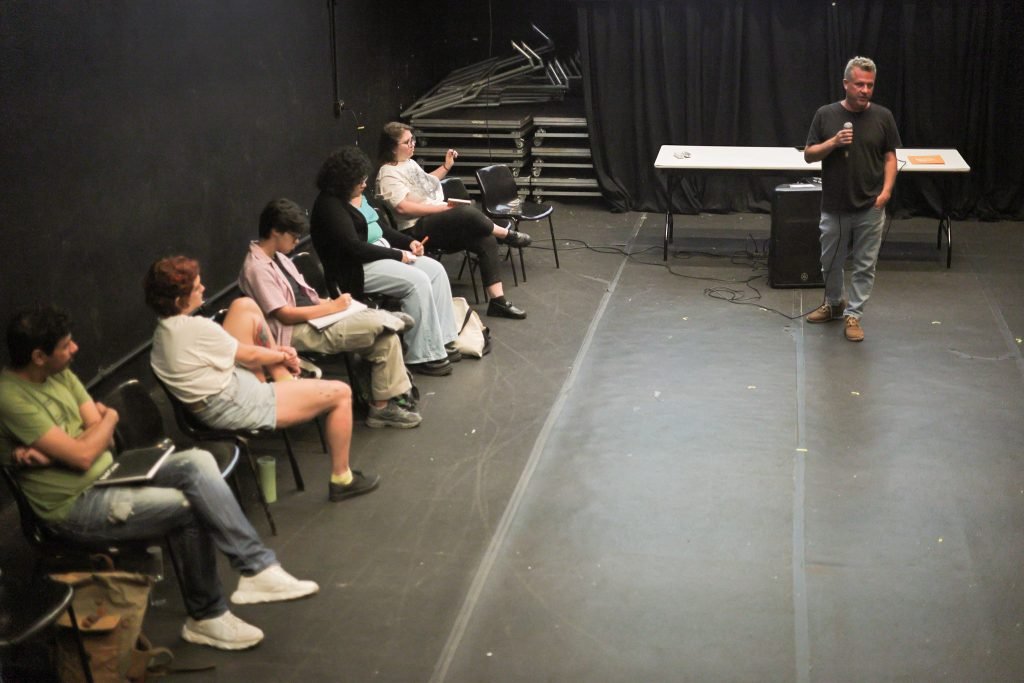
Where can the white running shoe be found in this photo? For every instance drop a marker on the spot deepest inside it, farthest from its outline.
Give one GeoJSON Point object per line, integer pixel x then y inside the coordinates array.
{"type": "Point", "coordinates": [273, 584]}
{"type": "Point", "coordinates": [226, 632]}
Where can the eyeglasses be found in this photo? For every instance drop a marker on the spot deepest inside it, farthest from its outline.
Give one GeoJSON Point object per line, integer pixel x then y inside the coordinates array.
{"type": "Point", "coordinates": [411, 142]}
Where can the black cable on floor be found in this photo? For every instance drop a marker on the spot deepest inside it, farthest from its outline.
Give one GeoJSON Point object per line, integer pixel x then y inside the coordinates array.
{"type": "Point", "coordinates": [755, 260]}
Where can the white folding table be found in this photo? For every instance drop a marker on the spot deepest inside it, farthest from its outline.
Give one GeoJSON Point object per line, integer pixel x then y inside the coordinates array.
{"type": "Point", "coordinates": [790, 160]}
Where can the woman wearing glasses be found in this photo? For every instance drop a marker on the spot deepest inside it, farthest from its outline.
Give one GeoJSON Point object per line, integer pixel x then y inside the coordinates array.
{"type": "Point", "coordinates": [422, 212]}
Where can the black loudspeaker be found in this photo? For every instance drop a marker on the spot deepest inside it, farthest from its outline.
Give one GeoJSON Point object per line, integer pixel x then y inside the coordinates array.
{"type": "Point", "coordinates": [794, 250]}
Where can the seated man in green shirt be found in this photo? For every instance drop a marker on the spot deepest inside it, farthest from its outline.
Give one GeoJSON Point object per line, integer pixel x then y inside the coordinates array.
{"type": "Point", "coordinates": [58, 441]}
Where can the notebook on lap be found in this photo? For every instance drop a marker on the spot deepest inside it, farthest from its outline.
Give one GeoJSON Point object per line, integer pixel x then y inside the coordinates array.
{"type": "Point", "coordinates": [136, 465]}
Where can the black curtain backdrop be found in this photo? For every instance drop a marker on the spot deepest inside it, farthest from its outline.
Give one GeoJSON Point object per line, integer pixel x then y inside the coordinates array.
{"type": "Point", "coordinates": [749, 72]}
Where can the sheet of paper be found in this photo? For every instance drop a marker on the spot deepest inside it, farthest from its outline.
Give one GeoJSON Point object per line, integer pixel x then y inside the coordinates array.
{"type": "Point", "coordinates": [326, 321]}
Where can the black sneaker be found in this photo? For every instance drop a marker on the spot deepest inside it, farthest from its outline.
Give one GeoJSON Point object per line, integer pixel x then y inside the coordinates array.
{"type": "Point", "coordinates": [517, 239]}
{"type": "Point", "coordinates": [359, 485]}
{"type": "Point", "coordinates": [505, 309]}
{"type": "Point", "coordinates": [437, 368]}
{"type": "Point", "coordinates": [454, 355]}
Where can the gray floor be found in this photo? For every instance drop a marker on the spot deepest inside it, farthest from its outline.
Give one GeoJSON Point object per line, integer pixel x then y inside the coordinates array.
{"type": "Point", "coordinates": [646, 483]}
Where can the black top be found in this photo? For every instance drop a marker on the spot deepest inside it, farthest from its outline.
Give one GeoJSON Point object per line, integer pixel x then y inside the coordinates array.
{"type": "Point", "coordinates": [339, 233]}
{"type": "Point", "coordinates": [852, 177]}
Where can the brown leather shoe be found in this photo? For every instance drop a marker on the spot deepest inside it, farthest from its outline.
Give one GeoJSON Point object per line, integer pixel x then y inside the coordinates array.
{"type": "Point", "coordinates": [854, 332]}
{"type": "Point", "coordinates": [827, 312]}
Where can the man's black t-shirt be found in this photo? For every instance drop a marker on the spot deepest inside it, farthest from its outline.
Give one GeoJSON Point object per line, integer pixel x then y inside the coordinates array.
{"type": "Point", "coordinates": [852, 177]}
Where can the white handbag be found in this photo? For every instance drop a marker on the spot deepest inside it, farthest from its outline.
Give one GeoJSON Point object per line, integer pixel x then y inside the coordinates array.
{"type": "Point", "coordinates": [474, 338]}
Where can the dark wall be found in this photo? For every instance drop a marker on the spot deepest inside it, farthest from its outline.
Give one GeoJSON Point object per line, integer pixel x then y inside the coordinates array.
{"type": "Point", "coordinates": [136, 128]}
{"type": "Point", "coordinates": [475, 30]}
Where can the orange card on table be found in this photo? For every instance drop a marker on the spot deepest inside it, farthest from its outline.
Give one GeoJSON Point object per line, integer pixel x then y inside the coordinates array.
{"type": "Point", "coordinates": [929, 159]}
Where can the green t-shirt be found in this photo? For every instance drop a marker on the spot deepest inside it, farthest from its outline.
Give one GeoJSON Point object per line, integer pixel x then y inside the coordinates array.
{"type": "Point", "coordinates": [27, 411]}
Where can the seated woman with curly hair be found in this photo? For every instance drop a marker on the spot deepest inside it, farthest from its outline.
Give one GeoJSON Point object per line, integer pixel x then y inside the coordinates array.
{"type": "Point", "coordinates": [421, 209]}
{"type": "Point", "coordinates": [220, 373]}
{"type": "Point", "coordinates": [361, 253]}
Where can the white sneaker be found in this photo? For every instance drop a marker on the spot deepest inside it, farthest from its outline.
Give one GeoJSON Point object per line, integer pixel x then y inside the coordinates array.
{"type": "Point", "coordinates": [273, 584]}
{"type": "Point", "coordinates": [226, 632]}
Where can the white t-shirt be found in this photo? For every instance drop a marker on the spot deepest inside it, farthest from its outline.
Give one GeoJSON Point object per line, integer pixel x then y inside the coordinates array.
{"type": "Point", "coordinates": [193, 356]}
{"type": "Point", "coordinates": [406, 180]}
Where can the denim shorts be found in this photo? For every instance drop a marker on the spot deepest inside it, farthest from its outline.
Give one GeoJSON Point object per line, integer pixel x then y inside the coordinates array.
{"type": "Point", "coordinates": [245, 403]}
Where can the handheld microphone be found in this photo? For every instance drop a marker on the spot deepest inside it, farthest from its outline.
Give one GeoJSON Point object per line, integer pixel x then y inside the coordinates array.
{"type": "Point", "coordinates": [847, 126]}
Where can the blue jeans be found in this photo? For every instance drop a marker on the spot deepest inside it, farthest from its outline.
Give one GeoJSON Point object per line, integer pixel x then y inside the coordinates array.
{"type": "Point", "coordinates": [865, 228]}
{"type": "Point", "coordinates": [189, 503]}
{"type": "Point", "coordinates": [426, 295]}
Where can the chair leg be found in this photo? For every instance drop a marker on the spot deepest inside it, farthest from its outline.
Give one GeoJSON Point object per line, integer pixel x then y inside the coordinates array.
{"type": "Point", "coordinates": [83, 656]}
{"type": "Point", "coordinates": [357, 392]}
{"type": "Point", "coordinates": [178, 573]}
{"type": "Point", "coordinates": [512, 261]}
{"type": "Point", "coordinates": [296, 473]}
{"type": "Point", "coordinates": [522, 263]}
{"type": "Point", "coordinates": [554, 243]}
{"type": "Point", "coordinates": [320, 431]}
{"type": "Point", "coordinates": [233, 485]}
{"type": "Point", "coordinates": [468, 258]}
{"type": "Point", "coordinates": [244, 445]}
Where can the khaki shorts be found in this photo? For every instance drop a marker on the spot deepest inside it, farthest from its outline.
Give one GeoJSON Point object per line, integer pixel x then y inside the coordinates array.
{"type": "Point", "coordinates": [245, 403]}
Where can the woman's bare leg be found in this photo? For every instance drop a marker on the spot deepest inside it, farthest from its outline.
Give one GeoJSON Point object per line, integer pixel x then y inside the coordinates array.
{"type": "Point", "coordinates": [303, 400]}
{"type": "Point", "coordinates": [245, 322]}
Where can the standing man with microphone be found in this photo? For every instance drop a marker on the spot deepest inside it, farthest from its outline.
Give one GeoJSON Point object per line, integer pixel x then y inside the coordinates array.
{"type": "Point", "coordinates": [856, 186]}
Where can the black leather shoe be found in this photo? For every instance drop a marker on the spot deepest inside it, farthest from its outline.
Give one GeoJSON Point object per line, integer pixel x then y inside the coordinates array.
{"type": "Point", "coordinates": [505, 309]}
{"type": "Point", "coordinates": [360, 484]}
{"type": "Point", "coordinates": [454, 355]}
{"type": "Point", "coordinates": [437, 368]}
{"type": "Point", "coordinates": [517, 239]}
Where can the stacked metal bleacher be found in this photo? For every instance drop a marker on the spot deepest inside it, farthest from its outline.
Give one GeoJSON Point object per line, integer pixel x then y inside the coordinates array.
{"type": "Point", "coordinates": [519, 111]}
{"type": "Point", "coordinates": [480, 142]}
{"type": "Point", "coordinates": [561, 162]}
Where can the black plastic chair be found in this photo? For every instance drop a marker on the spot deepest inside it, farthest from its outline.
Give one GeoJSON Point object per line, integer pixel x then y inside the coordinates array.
{"type": "Point", "coordinates": [29, 607]}
{"type": "Point", "coordinates": [141, 424]}
{"type": "Point", "coordinates": [195, 429]}
{"type": "Point", "coordinates": [312, 271]}
{"type": "Point", "coordinates": [454, 188]}
{"type": "Point", "coordinates": [501, 201]}
{"type": "Point", "coordinates": [62, 552]}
